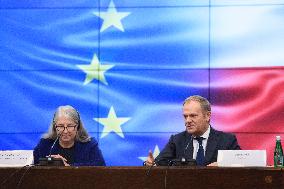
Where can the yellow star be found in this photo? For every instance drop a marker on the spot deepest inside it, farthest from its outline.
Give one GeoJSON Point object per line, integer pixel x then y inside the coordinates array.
{"type": "Point", "coordinates": [112, 17]}
{"type": "Point", "coordinates": [112, 123]}
{"type": "Point", "coordinates": [95, 71]}
{"type": "Point", "coordinates": [155, 153]}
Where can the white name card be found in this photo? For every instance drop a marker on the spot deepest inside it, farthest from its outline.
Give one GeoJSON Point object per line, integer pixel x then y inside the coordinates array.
{"type": "Point", "coordinates": [241, 158]}
{"type": "Point", "coordinates": [16, 158]}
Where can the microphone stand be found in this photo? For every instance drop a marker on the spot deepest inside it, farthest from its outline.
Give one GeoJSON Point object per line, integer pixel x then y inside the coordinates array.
{"type": "Point", "coordinates": [183, 161]}
{"type": "Point", "coordinates": [51, 161]}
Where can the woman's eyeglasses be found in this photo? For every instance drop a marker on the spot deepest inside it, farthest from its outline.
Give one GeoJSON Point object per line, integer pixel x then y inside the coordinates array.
{"type": "Point", "coordinates": [61, 128]}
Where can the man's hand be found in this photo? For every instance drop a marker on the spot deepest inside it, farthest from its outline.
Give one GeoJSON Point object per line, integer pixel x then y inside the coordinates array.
{"type": "Point", "coordinates": [150, 159]}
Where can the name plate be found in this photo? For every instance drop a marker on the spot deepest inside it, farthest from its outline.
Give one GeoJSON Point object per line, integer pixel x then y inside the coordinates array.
{"type": "Point", "coordinates": [16, 158]}
{"type": "Point", "coordinates": [241, 158]}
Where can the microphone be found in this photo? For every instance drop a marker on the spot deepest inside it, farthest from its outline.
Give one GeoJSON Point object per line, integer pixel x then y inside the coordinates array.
{"type": "Point", "coordinates": [182, 161]}
{"type": "Point", "coordinates": [51, 161]}
{"type": "Point", "coordinates": [187, 145]}
{"type": "Point", "coordinates": [51, 148]}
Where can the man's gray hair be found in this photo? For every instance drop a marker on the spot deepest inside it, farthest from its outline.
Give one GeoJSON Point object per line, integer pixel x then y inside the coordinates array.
{"type": "Point", "coordinates": [82, 135]}
{"type": "Point", "coordinates": [204, 103]}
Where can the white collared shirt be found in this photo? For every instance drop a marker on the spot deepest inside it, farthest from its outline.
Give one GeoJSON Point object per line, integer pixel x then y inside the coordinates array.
{"type": "Point", "coordinates": [204, 143]}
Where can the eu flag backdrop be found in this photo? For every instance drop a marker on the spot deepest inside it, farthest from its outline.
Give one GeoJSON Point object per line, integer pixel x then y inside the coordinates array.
{"type": "Point", "coordinates": [127, 66]}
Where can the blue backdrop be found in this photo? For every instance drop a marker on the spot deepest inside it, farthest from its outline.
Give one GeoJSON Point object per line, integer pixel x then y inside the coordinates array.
{"type": "Point", "coordinates": [126, 65]}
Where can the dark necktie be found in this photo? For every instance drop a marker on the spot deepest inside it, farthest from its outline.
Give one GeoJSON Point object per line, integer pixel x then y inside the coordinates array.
{"type": "Point", "coordinates": [200, 153]}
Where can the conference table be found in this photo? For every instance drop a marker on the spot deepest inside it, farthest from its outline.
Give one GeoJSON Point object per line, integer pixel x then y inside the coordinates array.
{"type": "Point", "coordinates": [40, 177]}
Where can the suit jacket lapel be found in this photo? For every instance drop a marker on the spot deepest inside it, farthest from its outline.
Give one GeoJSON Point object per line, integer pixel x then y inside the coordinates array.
{"type": "Point", "coordinates": [211, 145]}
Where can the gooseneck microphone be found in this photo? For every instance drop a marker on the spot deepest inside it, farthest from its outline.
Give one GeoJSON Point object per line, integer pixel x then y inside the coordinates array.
{"type": "Point", "coordinates": [51, 161]}
{"type": "Point", "coordinates": [187, 145]}
{"type": "Point", "coordinates": [183, 161]}
{"type": "Point", "coordinates": [51, 148]}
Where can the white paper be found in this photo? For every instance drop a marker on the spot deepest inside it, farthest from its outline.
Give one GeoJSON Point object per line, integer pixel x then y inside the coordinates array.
{"type": "Point", "coordinates": [241, 158]}
{"type": "Point", "coordinates": [16, 158]}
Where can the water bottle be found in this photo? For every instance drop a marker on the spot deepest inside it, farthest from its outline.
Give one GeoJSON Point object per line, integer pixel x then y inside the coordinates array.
{"type": "Point", "coordinates": [278, 153]}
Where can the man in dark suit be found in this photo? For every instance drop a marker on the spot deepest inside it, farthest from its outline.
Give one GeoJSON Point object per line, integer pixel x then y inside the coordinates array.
{"type": "Point", "coordinates": [200, 141]}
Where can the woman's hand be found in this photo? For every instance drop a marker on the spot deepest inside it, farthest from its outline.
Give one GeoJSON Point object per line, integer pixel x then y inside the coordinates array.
{"type": "Point", "coordinates": [60, 157]}
{"type": "Point", "coordinates": [214, 164]}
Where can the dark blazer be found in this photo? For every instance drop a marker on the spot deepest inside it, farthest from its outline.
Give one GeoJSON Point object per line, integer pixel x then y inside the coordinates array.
{"type": "Point", "coordinates": [181, 145]}
{"type": "Point", "coordinates": [85, 154]}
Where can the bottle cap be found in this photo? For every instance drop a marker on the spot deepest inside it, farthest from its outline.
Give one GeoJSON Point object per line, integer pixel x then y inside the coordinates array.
{"type": "Point", "coordinates": [278, 137]}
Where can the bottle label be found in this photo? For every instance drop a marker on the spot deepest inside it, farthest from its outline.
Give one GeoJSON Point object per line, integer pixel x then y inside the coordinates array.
{"type": "Point", "coordinates": [278, 160]}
